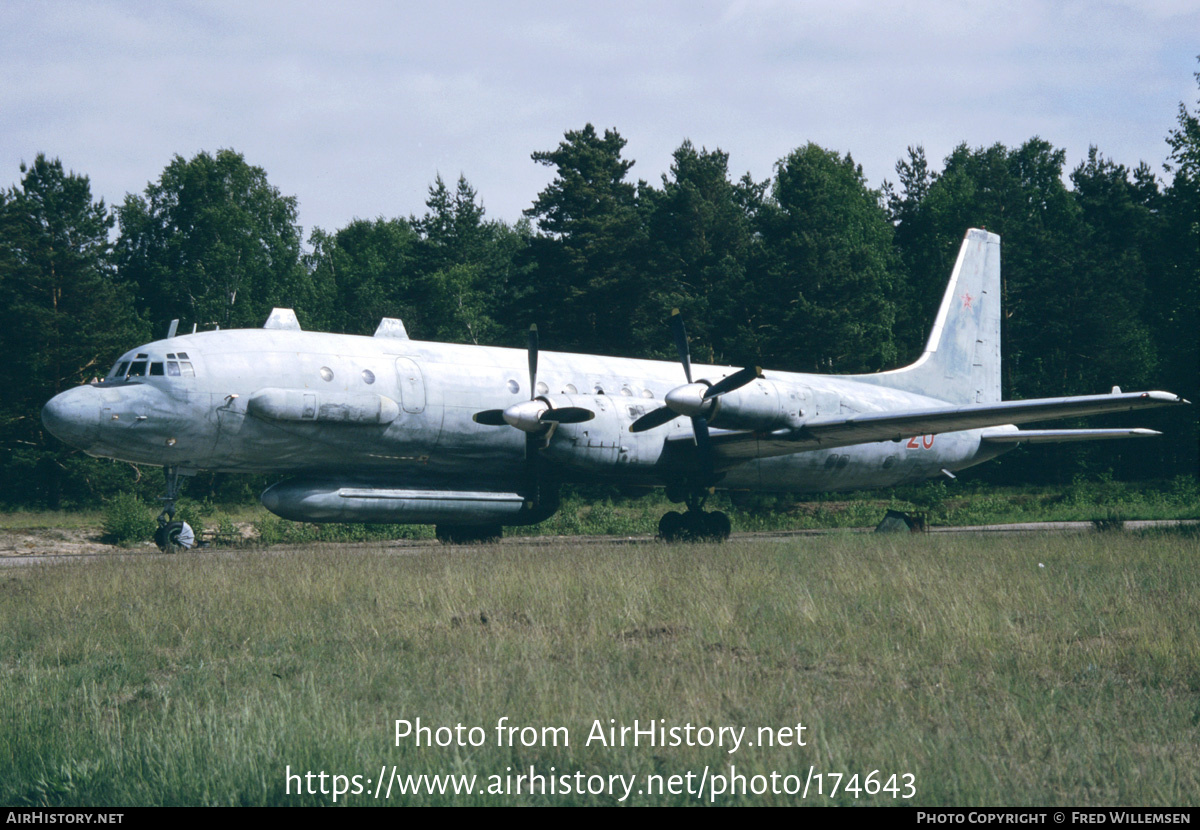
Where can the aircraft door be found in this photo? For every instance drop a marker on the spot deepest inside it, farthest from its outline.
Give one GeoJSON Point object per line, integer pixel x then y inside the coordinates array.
{"type": "Point", "coordinates": [411, 384]}
{"type": "Point", "coordinates": [413, 436]}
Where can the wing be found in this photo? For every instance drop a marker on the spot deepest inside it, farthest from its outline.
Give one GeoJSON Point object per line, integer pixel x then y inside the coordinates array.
{"type": "Point", "coordinates": [829, 432]}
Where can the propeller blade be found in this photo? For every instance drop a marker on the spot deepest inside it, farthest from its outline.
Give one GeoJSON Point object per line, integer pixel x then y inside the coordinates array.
{"type": "Point", "coordinates": [653, 418]}
{"type": "Point", "coordinates": [681, 343]}
{"type": "Point", "coordinates": [700, 427]}
{"type": "Point", "coordinates": [533, 360]}
{"type": "Point", "coordinates": [490, 417]}
{"type": "Point", "coordinates": [568, 415]}
{"type": "Point", "coordinates": [735, 381]}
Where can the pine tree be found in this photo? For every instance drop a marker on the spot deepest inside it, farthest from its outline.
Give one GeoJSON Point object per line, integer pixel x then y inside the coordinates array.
{"type": "Point", "coordinates": [64, 317]}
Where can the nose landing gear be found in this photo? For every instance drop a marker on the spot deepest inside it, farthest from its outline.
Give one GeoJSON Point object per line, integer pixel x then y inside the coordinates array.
{"type": "Point", "coordinates": [169, 530]}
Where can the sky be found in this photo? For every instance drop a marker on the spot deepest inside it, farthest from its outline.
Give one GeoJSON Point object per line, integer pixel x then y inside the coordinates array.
{"type": "Point", "coordinates": [355, 107]}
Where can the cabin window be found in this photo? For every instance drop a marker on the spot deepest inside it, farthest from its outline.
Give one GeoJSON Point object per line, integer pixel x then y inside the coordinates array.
{"type": "Point", "coordinates": [137, 369]}
{"type": "Point", "coordinates": [368, 376]}
{"type": "Point", "coordinates": [185, 368]}
{"type": "Point", "coordinates": [514, 387]}
{"type": "Point", "coordinates": [119, 370]}
{"type": "Point", "coordinates": [172, 368]}
{"type": "Point", "coordinates": [571, 390]}
{"type": "Point", "coordinates": [156, 368]}
{"type": "Point", "coordinates": [326, 373]}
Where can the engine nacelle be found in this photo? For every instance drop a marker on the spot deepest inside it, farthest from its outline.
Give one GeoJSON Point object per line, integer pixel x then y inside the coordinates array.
{"type": "Point", "coordinates": [340, 500]}
{"type": "Point", "coordinates": [760, 406]}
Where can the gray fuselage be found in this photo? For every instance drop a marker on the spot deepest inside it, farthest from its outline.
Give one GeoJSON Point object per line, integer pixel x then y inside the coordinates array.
{"type": "Point", "coordinates": [399, 411]}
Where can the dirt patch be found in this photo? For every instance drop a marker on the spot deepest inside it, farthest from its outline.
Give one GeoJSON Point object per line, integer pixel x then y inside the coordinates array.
{"type": "Point", "coordinates": [55, 541]}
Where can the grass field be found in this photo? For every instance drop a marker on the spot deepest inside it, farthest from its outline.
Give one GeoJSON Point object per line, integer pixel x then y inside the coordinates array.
{"type": "Point", "coordinates": [1031, 670]}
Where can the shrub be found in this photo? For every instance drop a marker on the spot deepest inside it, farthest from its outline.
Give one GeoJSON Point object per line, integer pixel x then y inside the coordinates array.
{"type": "Point", "coordinates": [127, 521]}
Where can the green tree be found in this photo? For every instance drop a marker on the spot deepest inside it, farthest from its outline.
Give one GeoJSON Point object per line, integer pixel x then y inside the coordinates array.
{"type": "Point", "coordinates": [64, 316]}
{"type": "Point", "coordinates": [1176, 288]}
{"type": "Point", "coordinates": [925, 251]}
{"type": "Point", "coordinates": [212, 242]}
{"type": "Point", "coordinates": [700, 240]}
{"type": "Point", "coordinates": [367, 270]}
{"type": "Point", "coordinates": [466, 264]}
{"type": "Point", "coordinates": [585, 284]}
{"type": "Point", "coordinates": [1121, 230]}
{"type": "Point", "coordinates": [825, 294]}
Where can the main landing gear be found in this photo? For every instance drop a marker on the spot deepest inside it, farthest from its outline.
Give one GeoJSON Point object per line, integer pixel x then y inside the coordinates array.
{"type": "Point", "coordinates": [696, 525]}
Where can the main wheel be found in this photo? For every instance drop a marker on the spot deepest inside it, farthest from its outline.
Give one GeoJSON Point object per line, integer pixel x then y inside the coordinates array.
{"type": "Point", "coordinates": [167, 537]}
{"type": "Point", "coordinates": [670, 526]}
{"type": "Point", "coordinates": [717, 526]}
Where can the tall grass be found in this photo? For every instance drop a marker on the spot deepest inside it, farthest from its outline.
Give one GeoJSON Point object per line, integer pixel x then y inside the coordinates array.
{"type": "Point", "coordinates": [1030, 671]}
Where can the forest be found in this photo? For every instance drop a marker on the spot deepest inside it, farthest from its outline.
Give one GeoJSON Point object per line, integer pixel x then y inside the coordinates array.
{"type": "Point", "coordinates": [810, 270]}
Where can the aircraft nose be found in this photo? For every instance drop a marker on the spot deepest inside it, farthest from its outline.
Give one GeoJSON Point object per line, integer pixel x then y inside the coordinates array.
{"type": "Point", "coordinates": [74, 416]}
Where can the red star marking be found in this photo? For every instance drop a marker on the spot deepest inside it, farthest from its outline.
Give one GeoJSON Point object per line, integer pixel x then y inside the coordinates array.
{"type": "Point", "coordinates": [966, 298]}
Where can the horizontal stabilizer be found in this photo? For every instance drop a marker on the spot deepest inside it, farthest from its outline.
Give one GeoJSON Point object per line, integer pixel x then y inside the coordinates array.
{"type": "Point", "coordinates": [1058, 436]}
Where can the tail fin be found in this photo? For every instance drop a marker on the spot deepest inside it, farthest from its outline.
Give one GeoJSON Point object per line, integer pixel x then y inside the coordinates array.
{"type": "Point", "coordinates": [961, 361]}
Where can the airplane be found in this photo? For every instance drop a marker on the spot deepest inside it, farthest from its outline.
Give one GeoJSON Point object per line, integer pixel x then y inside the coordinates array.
{"type": "Point", "coordinates": [476, 438]}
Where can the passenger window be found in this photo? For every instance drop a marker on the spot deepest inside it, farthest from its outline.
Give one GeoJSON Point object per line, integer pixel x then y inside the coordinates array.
{"type": "Point", "coordinates": [156, 368]}
{"type": "Point", "coordinates": [172, 368]}
{"type": "Point", "coordinates": [137, 369]}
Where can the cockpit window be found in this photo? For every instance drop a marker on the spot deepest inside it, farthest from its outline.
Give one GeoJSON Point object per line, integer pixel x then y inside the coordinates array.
{"type": "Point", "coordinates": [176, 365]}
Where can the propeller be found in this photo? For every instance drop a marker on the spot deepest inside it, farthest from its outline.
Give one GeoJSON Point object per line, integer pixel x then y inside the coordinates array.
{"type": "Point", "coordinates": [535, 415]}
{"type": "Point", "coordinates": [692, 399]}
